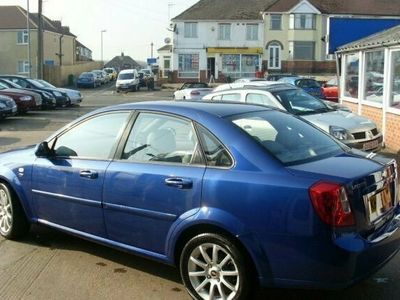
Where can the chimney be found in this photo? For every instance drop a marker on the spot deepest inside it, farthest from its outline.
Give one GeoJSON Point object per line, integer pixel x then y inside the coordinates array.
{"type": "Point", "coordinates": [122, 54]}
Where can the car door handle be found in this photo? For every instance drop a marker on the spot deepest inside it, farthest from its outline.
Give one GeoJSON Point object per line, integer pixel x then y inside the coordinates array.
{"type": "Point", "coordinates": [89, 174]}
{"type": "Point", "coordinates": [180, 183]}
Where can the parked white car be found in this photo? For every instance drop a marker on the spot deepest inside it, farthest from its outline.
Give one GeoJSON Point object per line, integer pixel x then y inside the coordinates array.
{"type": "Point", "coordinates": [192, 91]}
{"type": "Point", "coordinates": [127, 80]}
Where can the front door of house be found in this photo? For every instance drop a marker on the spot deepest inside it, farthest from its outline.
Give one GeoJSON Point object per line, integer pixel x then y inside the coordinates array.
{"type": "Point", "coordinates": [274, 61]}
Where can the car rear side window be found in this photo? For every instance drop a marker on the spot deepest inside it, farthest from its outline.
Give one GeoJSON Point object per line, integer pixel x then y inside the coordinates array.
{"type": "Point", "coordinates": [215, 153]}
{"type": "Point", "coordinates": [231, 97]}
{"type": "Point", "coordinates": [162, 138]}
{"type": "Point", "coordinates": [289, 139]}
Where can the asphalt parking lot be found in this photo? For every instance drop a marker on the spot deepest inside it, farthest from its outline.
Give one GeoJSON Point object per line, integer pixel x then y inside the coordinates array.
{"type": "Point", "coordinates": [48, 264]}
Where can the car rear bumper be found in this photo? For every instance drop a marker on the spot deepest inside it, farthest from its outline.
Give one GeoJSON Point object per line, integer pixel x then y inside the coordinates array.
{"type": "Point", "coordinates": [329, 261]}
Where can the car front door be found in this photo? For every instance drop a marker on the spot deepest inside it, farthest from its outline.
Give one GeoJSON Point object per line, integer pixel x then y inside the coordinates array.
{"type": "Point", "coordinates": [67, 186]}
{"type": "Point", "coordinates": [155, 180]}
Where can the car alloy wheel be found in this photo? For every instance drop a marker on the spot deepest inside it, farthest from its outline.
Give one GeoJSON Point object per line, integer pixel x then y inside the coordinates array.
{"type": "Point", "coordinates": [212, 267]}
{"type": "Point", "coordinates": [13, 222]}
{"type": "Point", "coordinates": [5, 212]}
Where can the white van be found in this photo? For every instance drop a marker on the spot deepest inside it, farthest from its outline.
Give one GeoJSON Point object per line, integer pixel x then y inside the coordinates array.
{"type": "Point", "coordinates": [128, 80]}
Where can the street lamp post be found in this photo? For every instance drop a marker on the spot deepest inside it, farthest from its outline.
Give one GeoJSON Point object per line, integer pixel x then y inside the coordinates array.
{"type": "Point", "coordinates": [101, 32]}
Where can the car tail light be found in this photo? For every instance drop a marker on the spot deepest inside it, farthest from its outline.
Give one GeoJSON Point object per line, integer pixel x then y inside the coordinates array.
{"type": "Point", "coordinates": [331, 204]}
{"type": "Point", "coordinates": [195, 93]}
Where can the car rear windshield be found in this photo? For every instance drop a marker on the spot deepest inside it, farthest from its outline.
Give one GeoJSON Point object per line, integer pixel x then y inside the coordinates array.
{"type": "Point", "coordinates": [299, 102]}
{"type": "Point", "coordinates": [125, 76]}
{"type": "Point", "coordinates": [86, 75]}
{"type": "Point", "coordinates": [289, 139]}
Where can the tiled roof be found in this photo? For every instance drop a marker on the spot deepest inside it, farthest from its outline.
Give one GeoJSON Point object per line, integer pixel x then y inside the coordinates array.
{"type": "Point", "coordinates": [225, 10]}
{"type": "Point", "coordinates": [387, 37]}
{"type": "Point", "coordinates": [14, 17]}
{"type": "Point", "coordinates": [121, 60]}
{"type": "Point", "coordinates": [354, 7]}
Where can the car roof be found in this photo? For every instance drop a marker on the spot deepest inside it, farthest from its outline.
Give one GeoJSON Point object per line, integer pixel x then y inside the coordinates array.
{"type": "Point", "coordinates": [280, 86]}
{"type": "Point", "coordinates": [189, 109]}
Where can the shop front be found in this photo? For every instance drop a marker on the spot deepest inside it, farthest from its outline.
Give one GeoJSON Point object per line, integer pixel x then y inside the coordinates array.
{"type": "Point", "coordinates": [234, 63]}
{"type": "Point", "coordinates": [370, 81]}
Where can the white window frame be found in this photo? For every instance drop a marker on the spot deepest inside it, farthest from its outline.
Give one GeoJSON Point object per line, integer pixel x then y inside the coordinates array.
{"type": "Point", "coordinates": [342, 88]}
{"type": "Point", "coordinates": [280, 22]}
{"type": "Point", "coordinates": [252, 32]}
{"type": "Point", "coordinates": [364, 80]}
{"type": "Point", "coordinates": [190, 30]}
{"type": "Point", "coordinates": [391, 109]}
{"type": "Point", "coordinates": [295, 21]}
{"type": "Point", "coordinates": [182, 71]}
{"type": "Point", "coordinates": [23, 67]}
{"type": "Point", "coordinates": [224, 31]}
{"type": "Point", "coordinates": [22, 37]}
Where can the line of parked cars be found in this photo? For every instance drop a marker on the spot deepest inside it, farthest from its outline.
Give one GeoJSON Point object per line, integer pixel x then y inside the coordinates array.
{"type": "Point", "coordinates": [96, 78]}
{"type": "Point", "coordinates": [33, 94]}
{"type": "Point", "coordinates": [299, 96]}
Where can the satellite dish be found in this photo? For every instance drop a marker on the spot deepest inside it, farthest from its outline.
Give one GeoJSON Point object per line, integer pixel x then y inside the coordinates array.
{"type": "Point", "coordinates": [167, 40]}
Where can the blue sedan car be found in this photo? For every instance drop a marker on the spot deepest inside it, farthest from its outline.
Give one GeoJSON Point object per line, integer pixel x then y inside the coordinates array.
{"type": "Point", "coordinates": [87, 79]}
{"type": "Point", "coordinates": [310, 85]}
{"type": "Point", "coordinates": [233, 194]}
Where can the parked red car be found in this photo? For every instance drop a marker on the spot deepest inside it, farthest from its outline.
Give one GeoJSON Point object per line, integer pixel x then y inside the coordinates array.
{"type": "Point", "coordinates": [23, 100]}
{"type": "Point", "coordinates": [331, 90]}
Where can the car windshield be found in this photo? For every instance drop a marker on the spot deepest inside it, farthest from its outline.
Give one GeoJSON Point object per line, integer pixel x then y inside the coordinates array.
{"type": "Point", "coordinates": [36, 83]}
{"type": "Point", "coordinates": [299, 102]}
{"type": "Point", "coordinates": [3, 87]}
{"type": "Point", "coordinates": [286, 137]}
{"type": "Point", "coordinates": [45, 83]}
{"type": "Point", "coordinates": [86, 75]}
{"type": "Point", "coordinates": [307, 83]}
{"type": "Point", "coordinates": [125, 76]}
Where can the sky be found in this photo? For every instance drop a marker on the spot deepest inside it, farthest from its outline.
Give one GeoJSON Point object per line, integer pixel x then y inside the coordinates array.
{"type": "Point", "coordinates": [131, 25]}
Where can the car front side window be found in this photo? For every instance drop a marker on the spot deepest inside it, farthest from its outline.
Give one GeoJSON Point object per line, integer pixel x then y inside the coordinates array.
{"type": "Point", "coordinates": [162, 138]}
{"type": "Point", "coordinates": [95, 138]}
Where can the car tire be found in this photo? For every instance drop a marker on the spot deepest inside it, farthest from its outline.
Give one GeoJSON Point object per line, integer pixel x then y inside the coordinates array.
{"type": "Point", "coordinates": [13, 222]}
{"type": "Point", "coordinates": [212, 267]}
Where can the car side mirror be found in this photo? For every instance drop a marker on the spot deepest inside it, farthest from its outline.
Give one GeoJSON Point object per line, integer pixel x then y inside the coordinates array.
{"type": "Point", "coordinates": [43, 150]}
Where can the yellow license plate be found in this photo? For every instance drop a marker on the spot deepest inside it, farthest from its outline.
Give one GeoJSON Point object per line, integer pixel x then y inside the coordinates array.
{"type": "Point", "coordinates": [379, 204]}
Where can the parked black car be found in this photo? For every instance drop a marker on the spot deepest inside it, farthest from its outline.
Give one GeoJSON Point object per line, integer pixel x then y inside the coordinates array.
{"type": "Point", "coordinates": [48, 100]}
{"type": "Point", "coordinates": [7, 107]}
{"type": "Point", "coordinates": [62, 98]}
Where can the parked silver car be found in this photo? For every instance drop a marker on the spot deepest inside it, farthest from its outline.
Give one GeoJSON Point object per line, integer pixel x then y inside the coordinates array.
{"type": "Point", "coordinates": [353, 130]}
{"type": "Point", "coordinates": [74, 95]}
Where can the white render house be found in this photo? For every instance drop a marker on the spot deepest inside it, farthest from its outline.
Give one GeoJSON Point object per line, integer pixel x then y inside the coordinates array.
{"type": "Point", "coordinates": [218, 40]}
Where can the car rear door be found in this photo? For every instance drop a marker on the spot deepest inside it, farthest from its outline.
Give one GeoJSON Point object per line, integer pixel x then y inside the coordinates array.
{"type": "Point", "coordinates": [155, 180]}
